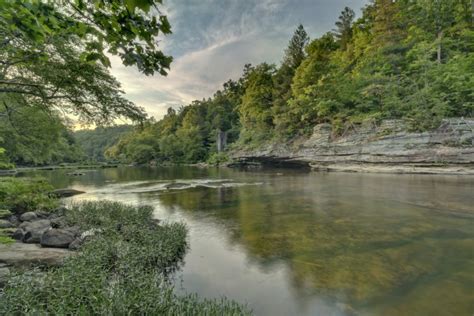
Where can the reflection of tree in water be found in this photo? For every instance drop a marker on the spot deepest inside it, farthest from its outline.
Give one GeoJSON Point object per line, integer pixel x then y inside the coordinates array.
{"type": "Point", "coordinates": [374, 255]}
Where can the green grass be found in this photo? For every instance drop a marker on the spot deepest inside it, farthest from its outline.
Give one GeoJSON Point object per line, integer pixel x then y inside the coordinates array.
{"type": "Point", "coordinates": [5, 213]}
{"type": "Point", "coordinates": [123, 270]}
{"type": "Point", "coordinates": [5, 240]}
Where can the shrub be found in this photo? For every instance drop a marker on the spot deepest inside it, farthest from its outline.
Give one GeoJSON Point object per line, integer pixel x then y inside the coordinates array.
{"type": "Point", "coordinates": [123, 270]}
{"type": "Point", "coordinates": [21, 195]}
{"type": "Point", "coordinates": [217, 158]}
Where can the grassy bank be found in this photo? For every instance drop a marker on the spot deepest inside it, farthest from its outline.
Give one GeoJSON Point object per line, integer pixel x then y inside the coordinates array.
{"type": "Point", "coordinates": [123, 268]}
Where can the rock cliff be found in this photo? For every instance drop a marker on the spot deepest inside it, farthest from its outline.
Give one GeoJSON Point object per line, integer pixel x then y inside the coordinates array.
{"type": "Point", "coordinates": [384, 147]}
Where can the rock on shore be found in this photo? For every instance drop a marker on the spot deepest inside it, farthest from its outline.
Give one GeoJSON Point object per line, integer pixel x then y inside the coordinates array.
{"type": "Point", "coordinates": [384, 147]}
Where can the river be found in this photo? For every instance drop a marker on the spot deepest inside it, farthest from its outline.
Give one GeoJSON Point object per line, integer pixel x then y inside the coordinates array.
{"type": "Point", "coordinates": [289, 242]}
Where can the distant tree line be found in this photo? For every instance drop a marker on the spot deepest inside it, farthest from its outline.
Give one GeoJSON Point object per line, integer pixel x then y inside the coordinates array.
{"type": "Point", "coordinates": [406, 59]}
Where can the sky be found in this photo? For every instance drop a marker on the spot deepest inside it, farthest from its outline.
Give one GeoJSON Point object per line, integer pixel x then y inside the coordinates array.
{"type": "Point", "coordinates": [212, 40]}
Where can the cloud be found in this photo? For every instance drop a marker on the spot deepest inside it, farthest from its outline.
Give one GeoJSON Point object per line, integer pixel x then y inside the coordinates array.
{"type": "Point", "coordinates": [213, 39]}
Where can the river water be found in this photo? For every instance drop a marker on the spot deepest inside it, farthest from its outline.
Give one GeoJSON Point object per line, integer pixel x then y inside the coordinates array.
{"type": "Point", "coordinates": [288, 242]}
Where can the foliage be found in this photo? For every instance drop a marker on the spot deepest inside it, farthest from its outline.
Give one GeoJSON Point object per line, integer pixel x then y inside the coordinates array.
{"type": "Point", "coordinates": [5, 240]}
{"type": "Point", "coordinates": [122, 270]}
{"type": "Point", "coordinates": [54, 55]}
{"type": "Point", "coordinates": [95, 142]}
{"type": "Point", "coordinates": [32, 136]}
{"type": "Point", "coordinates": [21, 195]}
{"type": "Point", "coordinates": [4, 160]}
{"type": "Point", "coordinates": [188, 135]}
{"type": "Point", "coordinates": [218, 158]}
{"type": "Point", "coordinates": [410, 60]}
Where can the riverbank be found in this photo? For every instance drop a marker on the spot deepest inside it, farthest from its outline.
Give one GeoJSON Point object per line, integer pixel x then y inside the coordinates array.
{"type": "Point", "coordinates": [388, 147]}
{"type": "Point", "coordinates": [91, 258]}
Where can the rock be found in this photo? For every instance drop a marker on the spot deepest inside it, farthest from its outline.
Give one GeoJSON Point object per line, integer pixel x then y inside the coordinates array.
{"type": "Point", "coordinates": [20, 254]}
{"type": "Point", "coordinates": [76, 174]}
{"type": "Point", "coordinates": [6, 224]}
{"type": "Point", "coordinates": [42, 214]}
{"type": "Point", "coordinates": [447, 149]}
{"type": "Point", "coordinates": [18, 234]}
{"type": "Point", "coordinates": [57, 238]}
{"type": "Point", "coordinates": [58, 222]}
{"type": "Point", "coordinates": [34, 230]}
{"type": "Point", "coordinates": [75, 230]}
{"type": "Point", "coordinates": [28, 217]}
{"type": "Point", "coordinates": [76, 244]}
{"type": "Point", "coordinates": [61, 193]}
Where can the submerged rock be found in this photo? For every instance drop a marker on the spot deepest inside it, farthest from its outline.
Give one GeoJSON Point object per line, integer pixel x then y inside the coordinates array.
{"type": "Point", "coordinates": [57, 238]}
{"type": "Point", "coordinates": [61, 193]}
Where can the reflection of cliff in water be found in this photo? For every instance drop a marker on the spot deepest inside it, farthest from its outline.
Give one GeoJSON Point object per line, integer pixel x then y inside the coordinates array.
{"type": "Point", "coordinates": [372, 241]}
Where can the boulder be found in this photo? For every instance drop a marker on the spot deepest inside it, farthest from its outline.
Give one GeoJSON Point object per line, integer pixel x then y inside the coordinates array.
{"type": "Point", "coordinates": [59, 222]}
{"type": "Point", "coordinates": [42, 214]}
{"type": "Point", "coordinates": [34, 230]}
{"type": "Point", "coordinates": [18, 234]}
{"type": "Point", "coordinates": [57, 238]}
{"type": "Point", "coordinates": [61, 193]}
{"type": "Point", "coordinates": [6, 224]}
{"type": "Point", "coordinates": [28, 217]}
{"type": "Point", "coordinates": [14, 220]}
{"type": "Point", "coordinates": [76, 244]}
{"type": "Point", "coordinates": [75, 230]}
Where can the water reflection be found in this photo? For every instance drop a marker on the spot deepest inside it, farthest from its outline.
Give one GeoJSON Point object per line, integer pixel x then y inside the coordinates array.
{"type": "Point", "coordinates": [311, 243]}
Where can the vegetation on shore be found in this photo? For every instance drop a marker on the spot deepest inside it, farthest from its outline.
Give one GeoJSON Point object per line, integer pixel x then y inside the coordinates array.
{"type": "Point", "coordinates": [54, 60]}
{"type": "Point", "coordinates": [410, 60]}
{"type": "Point", "coordinates": [124, 268]}
{"type": "Point", "coordinates": [20, 195]}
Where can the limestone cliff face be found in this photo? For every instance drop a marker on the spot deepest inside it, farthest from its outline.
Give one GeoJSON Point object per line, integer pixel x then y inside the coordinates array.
{"type": "Point", "coordinates": [388, 143]}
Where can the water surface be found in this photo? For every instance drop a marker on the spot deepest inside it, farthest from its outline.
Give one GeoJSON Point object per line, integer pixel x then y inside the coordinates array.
{"type": "Point", "coordinates": [296, 243]}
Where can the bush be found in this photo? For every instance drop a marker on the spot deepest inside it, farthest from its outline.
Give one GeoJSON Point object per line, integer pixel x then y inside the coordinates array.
{"type": "Point", "coordinates": [24, 195]}
{"type": "Point", "coordinates": [123, 270]}
{"type": "Point", "coordinates": [218, 158]}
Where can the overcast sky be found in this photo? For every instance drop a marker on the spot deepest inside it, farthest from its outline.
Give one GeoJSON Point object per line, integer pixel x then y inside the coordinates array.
{"type": "Point", "coordinates": [213, 39]}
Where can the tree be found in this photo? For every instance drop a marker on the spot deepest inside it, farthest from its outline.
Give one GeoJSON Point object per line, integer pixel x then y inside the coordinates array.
{"type": "Point", "coordinates": [294, 56]}
{"type": "Point", "coordinates": [343, 32]}
{"type": "Point", "coordinates": [55, 54]}
{"type": "Point", "coordinates": [256, 107]}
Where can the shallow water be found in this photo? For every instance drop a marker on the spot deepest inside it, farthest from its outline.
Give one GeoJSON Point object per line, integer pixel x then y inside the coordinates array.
{"type": "Point", "coordinates": [295, 243]}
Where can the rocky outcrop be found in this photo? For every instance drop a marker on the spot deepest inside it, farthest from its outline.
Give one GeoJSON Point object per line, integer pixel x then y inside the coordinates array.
{"type": "Point", "coordinates": [387, 146]}
{"type": "Point", "coordinates": [20, 254]}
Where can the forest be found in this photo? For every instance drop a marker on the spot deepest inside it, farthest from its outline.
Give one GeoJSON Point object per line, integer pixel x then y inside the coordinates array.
{"type": "Point", "coordinates": [404, 59]}
{"type": "Point", "coordinates": [411, 60]}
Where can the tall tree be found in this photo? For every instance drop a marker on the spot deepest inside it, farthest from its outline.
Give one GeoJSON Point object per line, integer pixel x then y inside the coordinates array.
{"type": "Point", "coordinates": [294, 56]}
{"type": "Point", "coordinates": [343, 32]}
